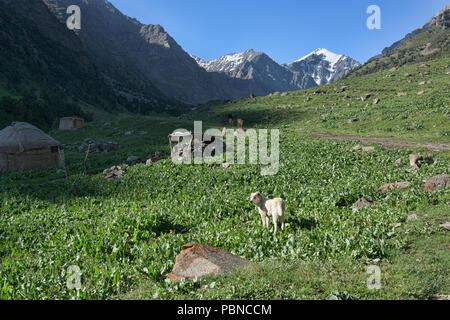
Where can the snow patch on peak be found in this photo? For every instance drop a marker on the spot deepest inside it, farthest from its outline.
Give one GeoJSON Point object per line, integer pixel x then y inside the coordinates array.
{"type": "Point", "coordinates": [229, 63]}
{"type": "Point", "coordinates": [331, 57]}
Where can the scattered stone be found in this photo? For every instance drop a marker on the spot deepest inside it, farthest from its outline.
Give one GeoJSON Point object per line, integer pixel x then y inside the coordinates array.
{"type": "Point", "coordinates": [398, 161]}
{"type": "Point", "coordinates": [96, 147]}
{"type": "Point", "coordinates": [361, 148]}
{"type": "Point", "coordinates": [437, 183]}
{"type": "Point", "coordinates": [284, 94]}
{"type": "Point", "coordinates": [352, 120]}
{"type": "Point", "coordinates": [401, 94]}
{"type": "Point", "coordinates": [394, 186]}
{"type": "Point", "coordinates": [407, 75]}
{"type": "Point", "coordinates": [368, 149]}
{"type": "Point", "coordinates": [424, 65]}
{"type": "Point", "coordinates": [153, 158]}
{"type": "Point", "coordinates": [446, 225]}
{"type": "Point", "coordinates": [414, 159]}
{"type": "Point", "coordinates": [343, 88]}
{"type": "Point", "coordinates": [308, 99]}
{"type": "Point", "coordinates": [421, 92]}
{"type": "Point", "coordinates": [128, 133]}
{"type": "Point", "coordinates": [252, 95]}
{"type": "Point", "coordinates": [376, 101]}
{"type": "Point", "coordinates": [362, 203]}
{"type": "Point", "coordinates": [198, 260]}
{"type": "Point", "coordinates": [277, 93]}
{"type": "Point", "coordinates": [422, 83]}
{"type": "Point", "coordinates": [115, 172]}
{"type": "Point", "coordinates": [142, 133]}
{"type": "Point", "coordinates": [429, 158]}
{"type": "Point", "coordinates": [364, 98]}
{"type": "Point", "coordinates": [442, 297]}
{"type": "Point", "coordinates": [393, 69]}
{"type": "Point", "coordinates": [413, 216]}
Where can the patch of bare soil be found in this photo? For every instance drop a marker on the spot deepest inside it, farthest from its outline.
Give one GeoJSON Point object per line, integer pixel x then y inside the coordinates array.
{"type": "Point", "coordinates": [388, 143]}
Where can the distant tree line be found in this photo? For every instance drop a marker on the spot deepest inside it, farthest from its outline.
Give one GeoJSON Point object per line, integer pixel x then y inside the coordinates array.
{"type": "Point", "coordinates": [39, 111]}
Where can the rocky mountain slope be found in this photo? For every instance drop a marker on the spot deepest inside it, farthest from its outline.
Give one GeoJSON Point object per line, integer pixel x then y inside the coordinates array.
{"type": "Point", "coordinates": [317, 68]}
{"type": "Point", "coordinates": [324, 66]}
{"type": "Point", "coordinates": [262, 73]}
{"type": "Point", "coordinates": [129, 50]}
{"type": "Point", "coordinates": [39, 55]}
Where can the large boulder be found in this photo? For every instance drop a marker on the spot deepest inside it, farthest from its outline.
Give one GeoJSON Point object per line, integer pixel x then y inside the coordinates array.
{"type": "Point", "coordinates": [437, 182]}
{"type": "Point", "coordinates": [198, 260]}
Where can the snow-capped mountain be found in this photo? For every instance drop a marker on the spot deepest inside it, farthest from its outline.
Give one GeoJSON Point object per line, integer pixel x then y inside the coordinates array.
{"type": "Point", "coordinates": [324, 66]}
{"type": "Point", "coordinates": [317, 68]}
{"type": "Point", "coordinates": [258, 68]}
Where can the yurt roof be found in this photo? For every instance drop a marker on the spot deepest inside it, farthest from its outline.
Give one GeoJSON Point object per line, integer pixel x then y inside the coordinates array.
{"type": "Point", "coordinates": [22, 136]}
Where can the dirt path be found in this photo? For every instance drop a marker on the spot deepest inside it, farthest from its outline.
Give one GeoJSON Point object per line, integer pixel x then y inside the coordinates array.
{"type": "Point", "coordinates": [388, 143]}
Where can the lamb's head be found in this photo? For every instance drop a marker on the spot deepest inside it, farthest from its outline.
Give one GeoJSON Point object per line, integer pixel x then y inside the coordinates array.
{"type": "Point", "coordinates": [256, 198]}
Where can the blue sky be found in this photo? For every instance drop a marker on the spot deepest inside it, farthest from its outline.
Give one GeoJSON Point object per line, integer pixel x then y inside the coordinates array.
{"type": "Point", "coordinates": [284, 29]}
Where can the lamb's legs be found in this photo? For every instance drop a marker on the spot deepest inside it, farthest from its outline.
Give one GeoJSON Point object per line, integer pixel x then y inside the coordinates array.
{"type": "Point", "coordinates": [275, 223]}
{"type": "Point", "coordinates": [264, 221]}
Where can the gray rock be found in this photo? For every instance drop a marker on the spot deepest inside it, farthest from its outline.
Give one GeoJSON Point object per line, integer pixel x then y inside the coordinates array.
{"type": "Point", "coordinates": [445, 225]}
{"type": "Point", "coordinates": [413, 216]}
{"type": "Point", "coordinates": [198, 260]}
{"type": "Point", "coordinates": [394, 186]}
{"type": "Point", "coordinates": [437, 182]}
{"type": "Point", "coordinates": [115, 172]}
{"type": "Point", "coordinates": [362, 203]}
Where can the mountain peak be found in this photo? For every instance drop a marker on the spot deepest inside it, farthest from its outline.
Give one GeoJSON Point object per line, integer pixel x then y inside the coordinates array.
{"type": "Point", "coordinates": [332, 57]}
{"type": "Point", "coordinates": [324, 66]}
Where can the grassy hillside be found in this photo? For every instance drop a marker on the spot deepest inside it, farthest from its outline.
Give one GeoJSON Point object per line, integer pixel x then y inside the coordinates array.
{"type": "Point", "coordinates": [338, 108]}
{"type": "Point", "coordinates": [124, 234]}
{"type": "Point", "coordinates": [424, 44]}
